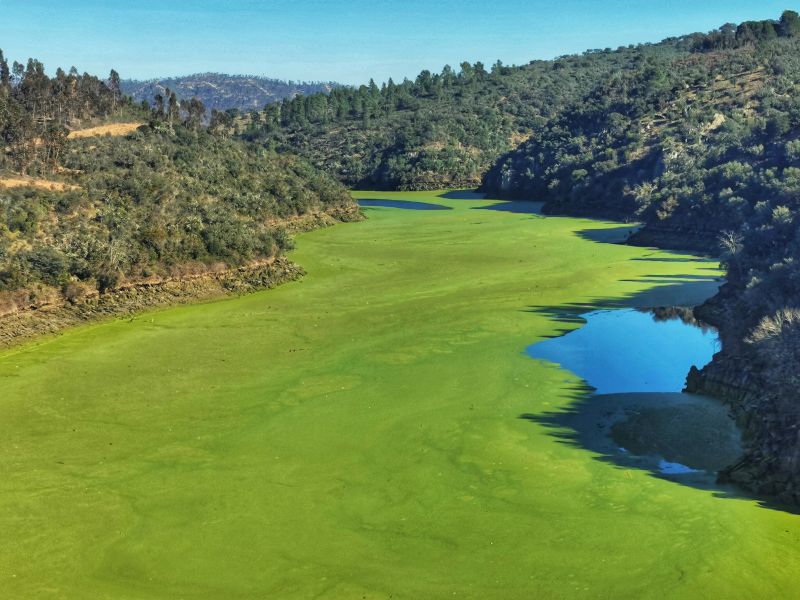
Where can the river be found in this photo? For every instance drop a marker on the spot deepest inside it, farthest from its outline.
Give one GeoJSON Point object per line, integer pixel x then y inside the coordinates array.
{"type": "Point", "coordinates": [376, 430]}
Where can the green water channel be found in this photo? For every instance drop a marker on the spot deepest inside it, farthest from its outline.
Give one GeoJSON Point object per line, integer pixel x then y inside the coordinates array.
{"type": "Point", "coordinates": [359, 434]}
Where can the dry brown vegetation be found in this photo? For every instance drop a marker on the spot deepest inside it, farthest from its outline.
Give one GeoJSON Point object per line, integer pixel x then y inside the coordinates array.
{"type": "Point", "coordinates": [42, 184]}
{"type": "Point", "coordinates": [112, 129]}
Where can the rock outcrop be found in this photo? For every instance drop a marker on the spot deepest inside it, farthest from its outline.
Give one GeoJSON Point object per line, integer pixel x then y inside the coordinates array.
{"type": "Point", "coordinates": [767, 415]}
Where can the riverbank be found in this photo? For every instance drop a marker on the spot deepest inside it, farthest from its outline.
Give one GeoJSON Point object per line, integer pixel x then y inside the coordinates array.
{"type": "Point", "coordinates": [58, 314]}
{"type": "Point", "coordinates": [27, 315]}
{"type": "Point", "coordinates": [765, 410]}
{"type": "Point", "coordinates": [635, 363]}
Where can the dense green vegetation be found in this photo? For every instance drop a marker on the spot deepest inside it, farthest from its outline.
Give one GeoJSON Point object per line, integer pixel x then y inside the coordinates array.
{"type": "Point", "coordinates": [450, 127]}
{"type": "Point", "coordinates": [443, 129]}
{"type": "Point", "coordinates": [224, 92]}
{"type": "Point", "coordinates": [172, 198]}
{"type": "Point", "coordinates": [36, 111]}
{"type": "Point", "coordinates": [356, 434]}
{"type": "Point", "coordinates": [152, 203]}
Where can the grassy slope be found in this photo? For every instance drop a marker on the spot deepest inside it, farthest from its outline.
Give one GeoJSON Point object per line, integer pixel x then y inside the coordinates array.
{"type": "Point", "coordinates": [356, 435]}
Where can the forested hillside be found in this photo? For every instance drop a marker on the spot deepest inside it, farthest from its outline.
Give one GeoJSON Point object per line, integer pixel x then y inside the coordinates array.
{"type": "Point", "coordinates": [224, 92]}
{"type": "Point", "coordinates": [443, 129]}
{"type": "Point", "coordinates": [80, 214]}
{"type": "Point", "coordinates": [697, 137]}
{"type": "Point", "coordinates": [37, 112]}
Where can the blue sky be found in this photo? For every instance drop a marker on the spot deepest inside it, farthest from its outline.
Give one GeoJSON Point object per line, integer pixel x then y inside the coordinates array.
{"type": "Point", "coordinates": [346, 41]}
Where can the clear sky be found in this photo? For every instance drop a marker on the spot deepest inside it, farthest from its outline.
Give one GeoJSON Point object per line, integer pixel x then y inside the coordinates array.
{"type": "Point", "coordinates": [346, 41]}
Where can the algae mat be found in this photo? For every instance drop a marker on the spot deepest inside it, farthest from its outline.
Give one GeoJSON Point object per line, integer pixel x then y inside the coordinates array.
{"type": "Point", "coordinates": [358, 434]}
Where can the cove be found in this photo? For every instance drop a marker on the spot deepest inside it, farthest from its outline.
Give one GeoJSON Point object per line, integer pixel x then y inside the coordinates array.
{"type": "Point", "coordinates": [357, 434]}
{"type": "Point", "coordinates": [635, 361]}
{"type": "Point", "coordinates": [630, 350]}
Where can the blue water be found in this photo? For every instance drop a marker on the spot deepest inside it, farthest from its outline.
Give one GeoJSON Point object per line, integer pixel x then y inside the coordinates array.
{"type": "Point", "coordinates": [625, 351]}
{"type": "Point", "coordinates": [406, 204]}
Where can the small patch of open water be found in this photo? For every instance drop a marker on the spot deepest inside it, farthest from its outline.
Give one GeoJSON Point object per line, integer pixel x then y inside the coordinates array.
{"type": "Point", "coordinates": [629, 350]}
{"type": "Point", "coordinates": [637, 362]}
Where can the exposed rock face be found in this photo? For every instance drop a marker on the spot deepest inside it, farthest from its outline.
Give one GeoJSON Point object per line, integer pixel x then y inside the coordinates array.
{"type": "Point", "coordinates": [771, 464]}
{"type": "Point", "coordinates": [767, 414]}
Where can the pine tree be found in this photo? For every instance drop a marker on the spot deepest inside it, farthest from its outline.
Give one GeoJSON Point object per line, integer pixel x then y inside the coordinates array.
{"type": "Point", "coordinates": [790, 23]}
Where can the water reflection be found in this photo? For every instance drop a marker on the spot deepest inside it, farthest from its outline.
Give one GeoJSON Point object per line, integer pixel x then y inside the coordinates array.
{"type": "Point", "coordinates": [636, 362]}
{"type": "Point", "coordinates": [629, 350]}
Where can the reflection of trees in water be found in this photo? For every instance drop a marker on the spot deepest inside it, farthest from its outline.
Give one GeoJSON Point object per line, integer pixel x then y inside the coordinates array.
{"type": "Point", "coordinates": [671, 313]}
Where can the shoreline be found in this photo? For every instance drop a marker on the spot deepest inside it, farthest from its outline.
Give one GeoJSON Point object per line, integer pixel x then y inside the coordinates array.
{"type": "Point", "coordinates": [54, 316]}
{"type": "Point", "coordinates": [18, 328]}
{"type": "Point", "coordinates": [768, 432]}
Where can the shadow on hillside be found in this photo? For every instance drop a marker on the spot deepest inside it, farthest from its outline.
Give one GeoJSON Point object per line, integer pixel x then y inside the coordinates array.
{"type": "Point", "coordinates": [592, 421]}
{"type": "Point", "coordinates": [668, 290]}
{"type": "Point", "coordinates": [677, 259]}
{"type": "Point", "coordinates": [463, 195]}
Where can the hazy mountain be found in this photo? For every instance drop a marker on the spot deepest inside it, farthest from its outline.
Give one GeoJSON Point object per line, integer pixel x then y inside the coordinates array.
{"type": "Point", "coordinates": [221, 92]}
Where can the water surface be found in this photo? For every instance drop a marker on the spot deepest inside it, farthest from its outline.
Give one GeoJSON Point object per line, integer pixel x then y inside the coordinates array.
{"type": "Point", "coordinates": [404, 204]}
{"type": "Point", "coordinates": [629, 350]}
{"type": "Point", "coordinates": [636, 361]}
{"type": "Point", "coordinates": [356, 434]}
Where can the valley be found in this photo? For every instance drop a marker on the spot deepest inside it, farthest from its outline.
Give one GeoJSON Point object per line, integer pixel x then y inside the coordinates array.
{"type": "Point", "coordinates": [364, 432]}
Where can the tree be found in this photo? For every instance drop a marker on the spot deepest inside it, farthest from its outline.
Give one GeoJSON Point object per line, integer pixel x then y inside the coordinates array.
{"type": "Point", "coordinates": [221, 122]}
{"type": "Point", "coordinates": [5, 72]}
{"type": "Point", "coordinates": [17, 71]}
{"type": "Point", "coordinates": [115, 87]}
{"type": "Point", "coordinates": [196, 112]}
{"type": "Point", "coordinates": [790, 23]}
{"type": "Point", "coordinates": [466, 71]}
{"type": "Point", "coordinates": [157, 115]}
{"type": "Point", "coordinates": [174, 109]}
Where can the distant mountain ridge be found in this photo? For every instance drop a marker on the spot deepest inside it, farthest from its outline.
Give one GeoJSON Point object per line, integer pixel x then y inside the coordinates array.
{"type": "Point", "coordinates": [222, 92]}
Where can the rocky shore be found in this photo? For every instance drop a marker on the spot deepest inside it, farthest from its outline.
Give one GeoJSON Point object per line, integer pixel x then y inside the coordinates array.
{"type": "Point", "coordinates": [54, 315]}
{"type": "Point", "coordinates": [766, 414]}
{"type": "Point", "coordinates": [765, 410]}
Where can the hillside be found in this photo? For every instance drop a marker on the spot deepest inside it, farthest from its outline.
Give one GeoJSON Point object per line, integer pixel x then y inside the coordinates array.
{"type": "Point", "coordinates": [697, 137]}
{"type": "Point", "coordinates": [223, 92]}
{"type": "Point", "coordinates": [699, 141]}
{"type": "Point", "coordinates": [441, 130]}
{"type": "Point", "coordinates": [98, 195]}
